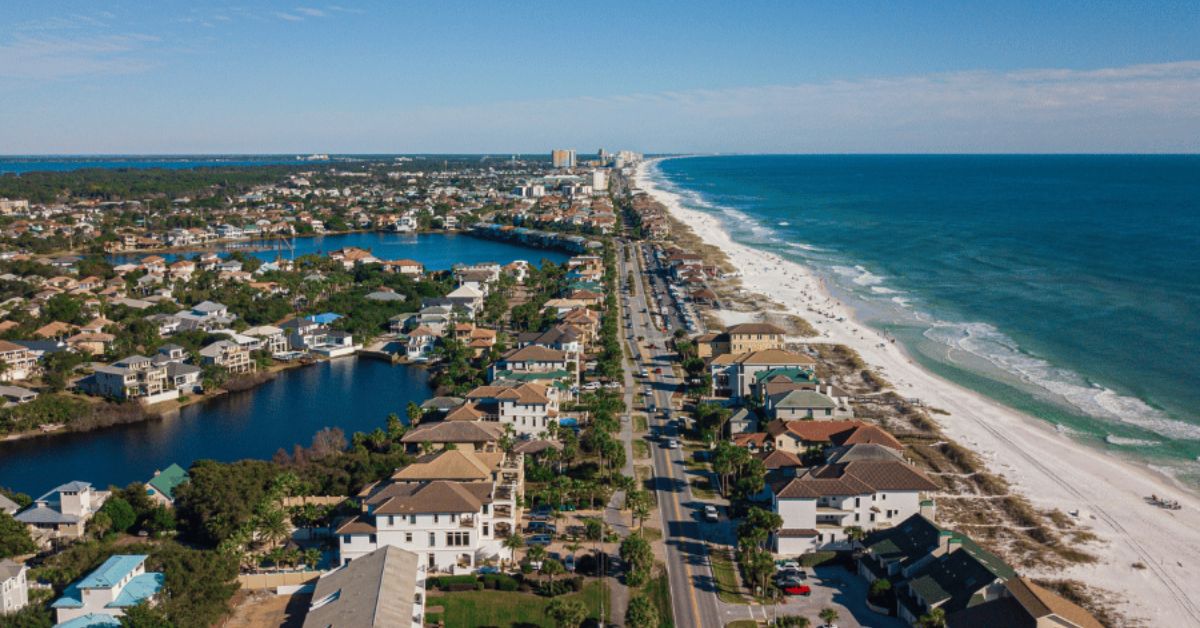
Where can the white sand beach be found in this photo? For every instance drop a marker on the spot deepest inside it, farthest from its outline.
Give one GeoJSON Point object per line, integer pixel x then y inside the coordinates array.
{"type": "Point", "coordinates": [1048, 467]}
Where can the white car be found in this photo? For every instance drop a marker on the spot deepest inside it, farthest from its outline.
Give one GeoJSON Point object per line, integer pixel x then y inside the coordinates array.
{"type": "Point", "coordinates": [672, 443]}
{"type": "Point", "coordinates": [710, 513]}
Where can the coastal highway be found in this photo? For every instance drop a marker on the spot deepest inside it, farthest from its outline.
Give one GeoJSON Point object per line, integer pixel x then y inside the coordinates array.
{"type": "Point", "coordinates": [693, 593]}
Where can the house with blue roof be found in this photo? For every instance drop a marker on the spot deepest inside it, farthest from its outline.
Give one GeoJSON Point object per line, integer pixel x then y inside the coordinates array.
{"type": "Point", "coordinates": [63, 512]}
{"type": "Point", "coordinates": [119, 583]}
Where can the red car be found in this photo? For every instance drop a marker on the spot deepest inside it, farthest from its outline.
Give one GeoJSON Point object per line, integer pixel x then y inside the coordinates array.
{"type": "Point", "coordinates": [797, 589]}
{"type": "Point", "coordinates": [658, 371]}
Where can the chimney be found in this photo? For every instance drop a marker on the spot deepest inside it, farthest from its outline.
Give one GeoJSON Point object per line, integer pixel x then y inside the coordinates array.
{"type": "Point", "coordinates": [928, 509]}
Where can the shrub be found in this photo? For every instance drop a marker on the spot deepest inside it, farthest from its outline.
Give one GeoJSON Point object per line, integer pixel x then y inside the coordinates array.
{"type": "Point", "coordinates": [447, 583]}
{"type": "Point", "coordinates": [501, 582]}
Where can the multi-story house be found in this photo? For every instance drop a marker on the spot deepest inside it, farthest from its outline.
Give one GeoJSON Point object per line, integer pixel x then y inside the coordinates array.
{"type": "Point", "coordinates": [14, 586]}
{"type": "Point", "coordinates": [820, 503]}
{"type": "Point", "coordinates": [134, 377]}
{"type": "Point", "coordinates": [63, 512]}
{"type": "Point", "coordinates": [735, 375]}
{"type": "Point", "coordinates": [744, 338]}
{"type": "Point", "coordinates": [529, 408]}
{"type": "Point", "coordinates": [803, 404]}
{"type": "Point", "coordinates": [453, 509]}
{"type": "Point", "coordinates": [274, 340]}
{"type": "Point", "coordinates": [117, 584]}
{"type": "Point", "coordinates": [229, 355]}
{"type": "Point", "coordinates": [16, 362]}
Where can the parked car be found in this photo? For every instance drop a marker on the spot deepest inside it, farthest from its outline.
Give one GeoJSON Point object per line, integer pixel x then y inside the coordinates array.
{"type": "Point", "coordinates": [658, 371]}
{"type": "Point", "coordinates": [569, 563]}
{"type": "Point", "coordinates": [541, 527]}
{"type": "Point", "coordinates": [488, 569]}
{"type": "Point", "coordinates": [710, 513]}
{"type": "Point", "coordinates": [798, 589]}
{"type": "Point", "coordinates": [539, 539]}
{"type": "Point", "coordinates": [535, 565]}
{"type": "Point", "coordinates": [781, 565]}
{"type": "Point", "coordinates": [790, 574]}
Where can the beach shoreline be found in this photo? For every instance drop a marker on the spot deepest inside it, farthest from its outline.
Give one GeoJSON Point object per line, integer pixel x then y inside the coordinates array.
{"type": "Point", "coordinates": [1053, 470]}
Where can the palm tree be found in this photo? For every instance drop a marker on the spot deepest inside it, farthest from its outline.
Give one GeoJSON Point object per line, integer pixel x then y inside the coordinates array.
{"type": "Point", "coordinates": [566, 613]}
{"type": "Point", "coordinates": [854, 534]}
{"type": "Point", "coordinates": [271, 526]}
{"type": "Point", "coordinates": [828, 615]}
{"type": "Point", "coordinates": [514, 542]}
{"type": "Point", "coordinates": [552, 568]}
{"type": "Point", "coordinates": [573, 547]}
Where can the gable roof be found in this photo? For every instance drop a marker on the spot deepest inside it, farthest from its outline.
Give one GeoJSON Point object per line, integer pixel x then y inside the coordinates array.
{"type": "Point", "coordinates": [376, 589]}
{"type": "Point", "coordinates": [860, 477]}
{"type": "Point", "coordinates": [755, 328]}
{"type": "Point", "coordinates": [454, 432]}
{"type": "Point", "coordinates": [168, 480]}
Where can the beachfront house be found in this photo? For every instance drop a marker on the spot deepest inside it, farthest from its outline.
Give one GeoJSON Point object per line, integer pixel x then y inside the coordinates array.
{"type": "Point", "coordinates": [117, 584]}
{"type": "Point", "coordinates": [818, 504]}
{"type": "Point", "coordinates": [735, 375]}
{"type": "Point", "coordinates": [803, 404]}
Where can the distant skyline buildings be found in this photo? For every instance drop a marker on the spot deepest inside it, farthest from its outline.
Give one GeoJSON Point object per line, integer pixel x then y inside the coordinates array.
{"type": "Point", "coordinates": [563, 157]}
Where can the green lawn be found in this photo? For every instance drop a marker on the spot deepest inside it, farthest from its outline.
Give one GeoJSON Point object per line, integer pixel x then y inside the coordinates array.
{"type": "Point", "coordinates": [659, 590]}
{"type": "Point", "coordinates": [640, 423]}
{"type": "Point", "coordinates": [641, 449]}
{"type": "Point", "coordinates": [467, 609]}
{"type": "Point", "coordinates": [724, 572]}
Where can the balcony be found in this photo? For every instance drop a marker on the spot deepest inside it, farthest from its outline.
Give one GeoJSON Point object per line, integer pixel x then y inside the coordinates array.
{"type": "Point", "coordinates": [466, 522]}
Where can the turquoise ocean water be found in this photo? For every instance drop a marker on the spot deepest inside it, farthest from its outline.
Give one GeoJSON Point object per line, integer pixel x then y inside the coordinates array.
{"type": "Point", "coordinates": [1064, 286]}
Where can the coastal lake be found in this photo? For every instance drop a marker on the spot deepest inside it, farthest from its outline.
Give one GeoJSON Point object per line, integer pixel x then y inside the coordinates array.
{"type": "Point", "coordinates": [354, 394]}
{"type": "Point", "coordinates": [437, 251]}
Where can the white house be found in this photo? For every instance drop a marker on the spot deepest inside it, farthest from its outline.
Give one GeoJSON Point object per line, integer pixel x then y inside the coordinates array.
{"type": "Point", "coordinates": [117, 584]}
{"type": "Point", "coordinates": [453, 509]}
{"type": "Point", "coordinates": [819, 504]}
{"type": "Point", "coordinates": [14, 586]}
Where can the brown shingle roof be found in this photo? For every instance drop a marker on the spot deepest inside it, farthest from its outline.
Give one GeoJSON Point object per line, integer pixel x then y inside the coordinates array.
{"type": "Point", "coordinates": [433, 497]}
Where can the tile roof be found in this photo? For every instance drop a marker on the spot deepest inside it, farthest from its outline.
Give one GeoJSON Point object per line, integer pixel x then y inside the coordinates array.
{"type": "Point", "coordinates": [454, 432]}
{"type": "Point", "coordinates": [438, 496]}
{"type": "Point", "coordinates": [450, 464]}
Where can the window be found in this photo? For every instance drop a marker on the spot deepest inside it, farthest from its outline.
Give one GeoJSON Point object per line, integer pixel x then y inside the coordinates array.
{"type": "Point", "coordinates": [458, 539]}
{"type": "Point", "coordinates": [435, 518]}
{"type": "Point", "coordinates": [391, 520]}
{"type": "Point", "coordinates": [345, 538]}
{"type": "Point", "coordinates": [412, 520]}
{"type": "Point", "coordinates": [432, 539]}
{"type": "Point", "coordinates": [453, 517]}
{"type": "Point", "coordinates": [408, 537]}
{"type": "Point", "coordinates": [373, 541]}
{"type": "Point", "coordinates": [485, 508]}
{"type": "Point", "coordinates": [485, 529]}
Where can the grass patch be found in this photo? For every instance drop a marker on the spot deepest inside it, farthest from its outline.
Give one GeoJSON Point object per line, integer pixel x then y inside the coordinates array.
{"type": "Point", "coordinates": [702, 487]}
{"type": "Point", "coordinates": [725, 573]}
{"type": "Point", "coordinates": [651, 533]}
{"type": "Point", "coordinates": [659, 591]}
{"type": "Point", "coordinates": [742, 623]}
{"type": "Point", "coordinates": [641, 449]}
{"type": "Point", "coordinates": [509, 608]}
{"type": "Point", "coordinates": [641, 423]}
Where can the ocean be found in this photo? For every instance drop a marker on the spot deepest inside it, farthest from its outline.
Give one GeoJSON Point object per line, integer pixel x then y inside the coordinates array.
{"type": "Point", "coordinates": [1067, 286]}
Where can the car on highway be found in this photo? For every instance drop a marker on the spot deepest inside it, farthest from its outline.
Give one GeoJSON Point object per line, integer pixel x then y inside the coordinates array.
{"type": "Point", "coordinates": [644, 373]}
{"type": "Point", "coordinates": [539, 539]}
{"type": "Point", "coordinates": [671, 443]}
{"type": "Point", "coordinates": [710, 513]}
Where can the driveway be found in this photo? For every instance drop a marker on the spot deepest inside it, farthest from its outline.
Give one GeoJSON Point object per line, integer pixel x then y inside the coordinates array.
{"type": "Point", "coordinates": [833, 587]}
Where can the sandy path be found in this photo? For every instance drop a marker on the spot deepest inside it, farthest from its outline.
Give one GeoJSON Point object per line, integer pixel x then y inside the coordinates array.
{"type": "Point", "coordinates": [1048, 467]}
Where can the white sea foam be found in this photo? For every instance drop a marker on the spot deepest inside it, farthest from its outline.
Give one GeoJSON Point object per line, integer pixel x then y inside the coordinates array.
{"type": "Point", "coordinates": [985, 341]}
{"type": "Point", "coordinates": [784, 223]}
{"type": "Point", "coordinates": [978, 339]}
{"type": "Point", "coordinates": [1130, 442]}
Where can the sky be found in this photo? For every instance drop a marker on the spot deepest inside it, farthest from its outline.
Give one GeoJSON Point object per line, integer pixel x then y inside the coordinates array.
{"type": "Point", "coordinates": [404, 76]}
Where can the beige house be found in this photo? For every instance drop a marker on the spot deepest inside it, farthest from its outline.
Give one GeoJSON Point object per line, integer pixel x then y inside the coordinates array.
{"type": "Point", "coordinates": [16, 362]}
{"type": "Point", "coordinates": [744, 338]}
{"type": "Point", "coordinates": [63, 512]}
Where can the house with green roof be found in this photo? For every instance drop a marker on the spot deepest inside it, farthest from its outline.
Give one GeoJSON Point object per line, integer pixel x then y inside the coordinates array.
{"type": "Point", "coordinates": [119, 583]}
{"type": "Point", "coordinates": [161, 487]}
{"type": "Point", "coordinates": [931, 567]}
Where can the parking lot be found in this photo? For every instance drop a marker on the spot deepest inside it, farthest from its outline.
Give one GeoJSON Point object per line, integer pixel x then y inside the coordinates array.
{"type": "Point", "coordinates": [832, 587]}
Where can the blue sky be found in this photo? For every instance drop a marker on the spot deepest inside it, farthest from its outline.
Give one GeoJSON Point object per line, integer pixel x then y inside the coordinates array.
{"type": "Point", "coordinates": [154, 77]}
